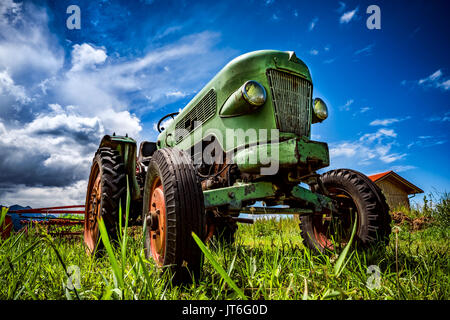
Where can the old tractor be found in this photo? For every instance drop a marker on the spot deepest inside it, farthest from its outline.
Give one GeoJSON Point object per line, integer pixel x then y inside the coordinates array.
{"type": "Point", "coordinates": [244, 139]}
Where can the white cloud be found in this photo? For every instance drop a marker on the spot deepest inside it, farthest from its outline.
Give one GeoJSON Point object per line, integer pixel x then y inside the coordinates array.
{"type": "Point", "coordinates": [176, 94]}
{"type": "Point", "coordinates": [370, 149]}
{"type": "Point", "coordinates": [392, 157]}
{"type": "Point", "coordinates": [367, 50]}
{"type": "Point", "coordinates": [26, 44]}
{"type": "Point", "coordinates": [436, 75]}
{"type": "Point", "coordinates": [344, 149]}
{"type": "Point", "coordinates": [443, 118]}
{"type": "Point", "coordinates": [427, 141]}
{"type": "Point", "coordinates": [85, 56]}
{"type": "Point", "coordinates": [384, 122]}
{"type": "Point", "coordinates": [313, 52]}
{"type": "Point", "coordinates": [434, 80]}
{"type": "Point", "coordinates": [70, 108]}
{"type": "Point", "coordinates": [445, 85]}
{"type": "Point", "coordinates": [389, 121]}
{"type": "Point", "coordinates": [377, 136]}
{"type": "Point", "coordinates": [313, 23]}
{"type": "Point", "coordinates": [402, 168]}
{"type": "Point", "coordinates": [347, 105]}
{"type": "Point", "coordinates": [7, 87]}
{"type": "Point", "coordinates": [39, 197]}
{"type": "Point", "coordinates": [348, 16]}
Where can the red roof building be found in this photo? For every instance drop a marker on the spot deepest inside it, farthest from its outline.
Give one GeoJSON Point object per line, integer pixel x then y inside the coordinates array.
{"type": "Point", "coordinates": [395, 188]}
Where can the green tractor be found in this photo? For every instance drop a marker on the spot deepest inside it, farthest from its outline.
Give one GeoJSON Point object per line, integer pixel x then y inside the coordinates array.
{"type": "Point", "coordinates": [243, 139]}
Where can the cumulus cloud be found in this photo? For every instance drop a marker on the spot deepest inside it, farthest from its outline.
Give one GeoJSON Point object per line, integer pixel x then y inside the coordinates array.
{"type": "Point", "coordinates": [85, 56]}
{"type": "Point", "coordinates": [38, 197]}
{"type": "Point", "coordinates": [8, 88]}
{"type": "Point", "coordinates": [53, 112]}
{"type": "Point", "coordinates": [370, 148]}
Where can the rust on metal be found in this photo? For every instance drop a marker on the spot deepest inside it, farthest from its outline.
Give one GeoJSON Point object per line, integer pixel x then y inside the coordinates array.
{"type": "Point", "coordinates": [157, 219]}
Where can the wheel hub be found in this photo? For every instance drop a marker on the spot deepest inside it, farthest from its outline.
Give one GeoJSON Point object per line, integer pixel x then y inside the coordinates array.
{"type": "Point", "coordinates": [156, 221]}
{"type": "Point", "coordinates": [93, 209]}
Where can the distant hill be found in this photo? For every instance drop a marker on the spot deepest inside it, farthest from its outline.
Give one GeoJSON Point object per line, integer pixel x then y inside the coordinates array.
{"type": "Point", "coordinates": [17, 207]}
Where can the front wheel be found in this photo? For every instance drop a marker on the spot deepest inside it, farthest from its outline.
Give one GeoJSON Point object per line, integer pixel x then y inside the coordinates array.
{"type": "Point", "coordinates": [105, 192]}
{"type": "Point", "coordinates": [355, 195]}
{"type": "Point", "coordinates": [173, 209]}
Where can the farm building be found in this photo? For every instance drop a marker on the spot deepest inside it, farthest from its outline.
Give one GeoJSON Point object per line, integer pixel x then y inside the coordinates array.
{"type": "Point", "coordinates": [395, 188]}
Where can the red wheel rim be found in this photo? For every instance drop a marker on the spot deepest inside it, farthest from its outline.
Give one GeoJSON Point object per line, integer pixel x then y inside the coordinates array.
{"type": "Point", "coordinates": [157, 210]}
{"type": "Point", "coordinates": [324, 229]}
{"type": "Point", "coordinates": [93, 209]}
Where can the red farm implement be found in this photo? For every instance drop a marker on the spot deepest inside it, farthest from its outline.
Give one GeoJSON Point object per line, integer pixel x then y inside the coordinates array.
{"type": "Point", "coordinates": [58, 221]}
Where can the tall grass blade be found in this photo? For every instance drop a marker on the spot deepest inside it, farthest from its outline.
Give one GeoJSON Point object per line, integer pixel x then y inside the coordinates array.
{"type": "Point", "coordinates": [112, 258]}
{"type": "Point", "coordinates": [338, 267]}
{"type": "Point", "coordinates": [3, 216]}
{"type": "Point", "coordinates": [124, 232]}
{"type": "Point", "coordinates": [147, 277]}
{"type": "Point", "coordinates": [218, 267]}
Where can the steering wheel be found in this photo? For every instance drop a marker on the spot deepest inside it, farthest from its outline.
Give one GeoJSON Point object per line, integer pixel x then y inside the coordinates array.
{"type": "Point", "coordinates": [172, 115]}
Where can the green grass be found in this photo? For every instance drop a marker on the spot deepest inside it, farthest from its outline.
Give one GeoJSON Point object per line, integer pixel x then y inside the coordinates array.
{"type": "Point", "coordinates": [268, 261]}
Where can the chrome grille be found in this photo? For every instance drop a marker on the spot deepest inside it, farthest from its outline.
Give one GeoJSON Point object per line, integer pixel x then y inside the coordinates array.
{"type": "Point", "coordinates": [200, 113]}
{"type": "Point", "coordinates": [291, 96]}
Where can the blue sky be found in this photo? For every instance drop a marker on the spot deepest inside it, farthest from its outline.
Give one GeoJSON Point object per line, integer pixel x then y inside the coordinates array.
{"type": "Point", "coordinates": [134, 61]}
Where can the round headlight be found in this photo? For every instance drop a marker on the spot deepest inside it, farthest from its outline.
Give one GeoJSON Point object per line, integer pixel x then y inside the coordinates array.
{"type": "Point", "coordinates": [254, 93]}
{"type": "Point", "coordinates": [320, 109]}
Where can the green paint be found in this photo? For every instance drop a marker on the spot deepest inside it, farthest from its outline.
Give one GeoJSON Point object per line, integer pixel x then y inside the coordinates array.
{"type": "Point", "coordinates": [320, 202]}
{"type": "Point", "coordinates": [250, 66]}
{"type": "Point", "coordinates": [237, 193]}
{"type": "Point", "coordinates": [289, 153]}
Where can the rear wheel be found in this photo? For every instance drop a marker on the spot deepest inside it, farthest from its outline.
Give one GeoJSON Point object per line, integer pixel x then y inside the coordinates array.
{"type": "Point", "coordinates": [106, 188]}
{"type": "Point", "coordinates": [173, 209]}
{"type": "Point", "coordinates": [355, 195]}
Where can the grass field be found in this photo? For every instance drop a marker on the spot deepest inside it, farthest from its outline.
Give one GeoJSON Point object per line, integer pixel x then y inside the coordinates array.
{"type": "Point", "coordinates": [268, 261]}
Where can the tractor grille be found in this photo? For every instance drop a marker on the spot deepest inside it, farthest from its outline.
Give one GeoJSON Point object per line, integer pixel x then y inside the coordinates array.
{"type": "Point", "coordinates": [200, 113]}
{"type": "Point", "coordinates": [291, 97]}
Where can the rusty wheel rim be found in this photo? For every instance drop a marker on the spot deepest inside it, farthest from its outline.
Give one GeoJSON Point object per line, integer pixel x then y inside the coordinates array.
{"type": "Point", "coordinates": [93, 209]}
{"type": "Point", "coordinates": [329, 231]}
{"type": "Point", "coordinates": [156, 217]}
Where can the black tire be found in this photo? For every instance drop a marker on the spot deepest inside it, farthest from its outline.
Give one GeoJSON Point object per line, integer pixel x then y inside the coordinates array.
{"type": "Point", "coordinates": [172, 173]}
{"type": "Point", "coordinates": [356, 191]}
{"type": "Point", "coordinates": [108, 166]}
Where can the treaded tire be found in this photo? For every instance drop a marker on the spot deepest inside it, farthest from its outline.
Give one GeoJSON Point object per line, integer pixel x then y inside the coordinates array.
{"type": "Point", "coordinates": [108, 166]}
{"type": "Point", "coordinates": [171, 173]}
{"type": "Point", "coordinates": [373, 212]}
